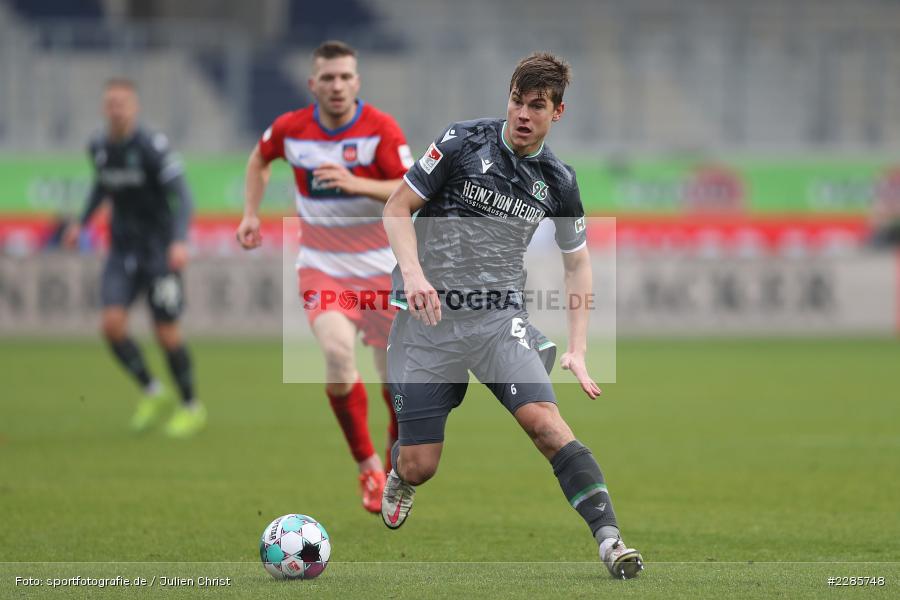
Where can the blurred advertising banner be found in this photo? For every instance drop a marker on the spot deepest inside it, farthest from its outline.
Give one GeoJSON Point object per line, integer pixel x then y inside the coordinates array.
{"type": "Point", "coordinates": [846, 295]}
{"type": "Point", "coordinates": [58, 294]}
{"type": "Point", "coordinates": [613, 186]}
{"type": "Point", "coordinates": [708, 237]}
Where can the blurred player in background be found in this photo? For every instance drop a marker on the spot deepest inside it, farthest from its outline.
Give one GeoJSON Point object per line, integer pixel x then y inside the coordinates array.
{"type": "Point", "coordinates": [347, 158]}
{"type": "Point", "coordinates": [431, 352]}
{"type": "Point", "coordinates": [151, 212]}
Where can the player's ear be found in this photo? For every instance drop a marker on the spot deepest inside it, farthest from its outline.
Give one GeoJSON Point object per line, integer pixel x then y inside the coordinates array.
{"type": "Point", "coordinates": [558, 111]}
{"type": "Point", "coordinates": [310, 82]}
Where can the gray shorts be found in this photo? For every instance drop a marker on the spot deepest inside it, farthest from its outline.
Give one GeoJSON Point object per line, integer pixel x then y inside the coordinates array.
{"type": "Point", "coordinates": [428, 367]}
{"type": "Point", "coordinates": [127, 275]}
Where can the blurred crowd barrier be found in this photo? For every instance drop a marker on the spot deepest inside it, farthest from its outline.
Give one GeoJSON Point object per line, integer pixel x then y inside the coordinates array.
{"type": "Point", "coordinates": [57, 294]}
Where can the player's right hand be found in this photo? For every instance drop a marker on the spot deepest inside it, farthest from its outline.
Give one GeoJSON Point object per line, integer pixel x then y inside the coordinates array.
{"type": "Point", "coordinates": [248, 235]}
{"type": "Point", "coordinates": [575, 362]}
{"type": "Point", "coordinates": [71, 235]}
{"type": "Point", "coordinates": [422, 299]}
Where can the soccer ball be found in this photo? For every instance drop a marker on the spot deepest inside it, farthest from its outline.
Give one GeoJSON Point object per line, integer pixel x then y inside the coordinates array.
{"type": "Point", "coordinates": [294, 547]}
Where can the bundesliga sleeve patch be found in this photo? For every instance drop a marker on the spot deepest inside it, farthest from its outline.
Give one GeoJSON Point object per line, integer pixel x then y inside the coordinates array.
{"type": "Point", "coordinates": [430, 159]}
{"type": "Point", "coordinates": [160, 142]}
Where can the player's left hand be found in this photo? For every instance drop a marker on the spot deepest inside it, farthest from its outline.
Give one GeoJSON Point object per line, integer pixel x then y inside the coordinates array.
{"type": "Point", "coordinates": [70, 236]}
{"type": "Point", "coordinates": [178, 256]}
{"type": "Point", "coordinates": [573, 361]}
{"type": "Point", "coordinates": [332, 175]}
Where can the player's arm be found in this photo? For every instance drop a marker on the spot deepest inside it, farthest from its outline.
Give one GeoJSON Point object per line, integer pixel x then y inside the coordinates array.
{"type": "Point", "coordinates": [256, 179]}
{"type": "Point", "coordinates": [421, 298]}
{"type": "Point", "coordinates": [571, 237]}
{"type": "Point", "coordinates": [340, 177]}
{"type": "Point", "coordinates": [423, 180]}
{"type": "Point", "coordinates": [94, 200]}
{"type": "Point", "coordinates": [392, 157]}
{"type": "Point", "coordinates": [166, 168]}
{"type": "Point", "coordinates": [269, 147]}
{"type": "Point", "coordinates": [376, 189]}
{"type": "Point", "coordinates": [73, 230]}
{"type": "Point", "coordinates": [578, 281]}
{"type": "Point", "coordinates": [177, 188]}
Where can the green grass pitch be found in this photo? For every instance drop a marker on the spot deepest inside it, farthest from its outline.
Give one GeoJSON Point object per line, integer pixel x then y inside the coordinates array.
{"type": "Point", "coordinates": [741, 469]}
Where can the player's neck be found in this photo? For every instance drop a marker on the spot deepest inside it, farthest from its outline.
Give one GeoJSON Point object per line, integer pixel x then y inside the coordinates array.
{"type": "Point", "coordinates": [329, 121]}
{"type": "Point", "coordinates": [520, 151]}
{"type": "Point", "coordinates": [120, 135]}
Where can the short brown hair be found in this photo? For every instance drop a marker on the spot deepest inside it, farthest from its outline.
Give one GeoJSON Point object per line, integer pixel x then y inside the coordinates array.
{"type": "Point", "coordinates": [542, 72]}
{"type": "Point", "coordinates": [333, 49]}
{"type": "Point", "coordinates": [121, 82]}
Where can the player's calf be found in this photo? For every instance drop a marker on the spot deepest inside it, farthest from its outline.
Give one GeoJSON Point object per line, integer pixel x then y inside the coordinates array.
{"type": "Point", "coordinates": [129, 356]}
{"type": "Point", "coordinates": [582, 483]}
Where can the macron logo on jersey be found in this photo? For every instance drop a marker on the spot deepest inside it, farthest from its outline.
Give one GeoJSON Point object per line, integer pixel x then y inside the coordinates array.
{"type": "Point", "coordinates": [451, 133]}
{"type": "Point", "coordinates": [431, 159]}
{"type": "Point", "coordinates": [485, 165]}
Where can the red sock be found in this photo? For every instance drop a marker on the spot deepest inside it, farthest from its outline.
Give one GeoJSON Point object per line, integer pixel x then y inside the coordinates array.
{"type": "Point", "coordinates": [392, 427]}
{"type": "Point", "coordinates": [351, 412]}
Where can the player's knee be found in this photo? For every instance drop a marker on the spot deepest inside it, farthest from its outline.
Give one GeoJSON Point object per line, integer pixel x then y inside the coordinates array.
{"type": "Point", "coordinates": [338, 358]}
{"type": "Point", "coordinates": [549, 432]}
{"type": "Point", "coordinates": [113, 326]}
{"type": "Point", "coordinates": [168, 335]}
{"type": "Point", "coordinates": [417, 472]}
{"type": "Point", "coordinates": [339, 389]}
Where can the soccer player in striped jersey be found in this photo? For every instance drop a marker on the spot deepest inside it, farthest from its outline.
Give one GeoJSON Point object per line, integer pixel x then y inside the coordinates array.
{"type": "Point", "coordinates": [347, 158]}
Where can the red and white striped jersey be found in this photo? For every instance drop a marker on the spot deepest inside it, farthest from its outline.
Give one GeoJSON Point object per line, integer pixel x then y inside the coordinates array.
{"type": "Point", "coordinates": [341, 235]}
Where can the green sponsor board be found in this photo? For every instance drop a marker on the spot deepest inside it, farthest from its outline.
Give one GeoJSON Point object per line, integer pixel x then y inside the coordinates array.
{"type": "Point", "coordinates": [755, 186]}
{"type": "Point", "coordinates": [59, 184]}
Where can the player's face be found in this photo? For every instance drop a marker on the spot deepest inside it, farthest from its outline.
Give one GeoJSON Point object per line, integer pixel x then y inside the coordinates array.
{"type": "Point", "coordinates": [528, 119]}
{"type": "Point", "coordinates": [335, 84]}
{"type": "Point", "coordinates": [120, 107]}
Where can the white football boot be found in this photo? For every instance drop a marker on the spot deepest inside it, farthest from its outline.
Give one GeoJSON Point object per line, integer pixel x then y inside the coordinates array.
{"type": "Point", "coordinates": [396, 502]}
{"type": "Point", "coordinates": [622, 562]}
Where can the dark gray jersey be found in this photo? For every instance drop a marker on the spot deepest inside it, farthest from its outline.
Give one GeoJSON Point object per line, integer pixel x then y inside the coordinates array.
{"type": "Point", "coordinates": [140, 175]}
{"type": "Point", "coordinates": [490, 202]}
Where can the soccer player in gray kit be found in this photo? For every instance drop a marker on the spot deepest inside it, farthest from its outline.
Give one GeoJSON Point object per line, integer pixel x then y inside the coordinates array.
{"type": "Point", "coordinates": [479, 192]}
{"type": "Point", "coordinates": [151, 210]}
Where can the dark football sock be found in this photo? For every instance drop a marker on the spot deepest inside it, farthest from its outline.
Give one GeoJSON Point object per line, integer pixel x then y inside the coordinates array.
{"type": "Point", "coordinates": [582, 483]}
{"type": "Point", "coordinates": [395, 454]}
{"type": "Point", "coordinates": [392, 427]}
{"type": "Point", "coordinates": [129, 355]}
{"type": "Point", "coordinates": [182, 372]}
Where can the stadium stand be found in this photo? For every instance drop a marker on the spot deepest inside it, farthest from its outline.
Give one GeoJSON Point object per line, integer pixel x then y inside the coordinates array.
{"type": "Point", "coordinates": [650, 75]}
